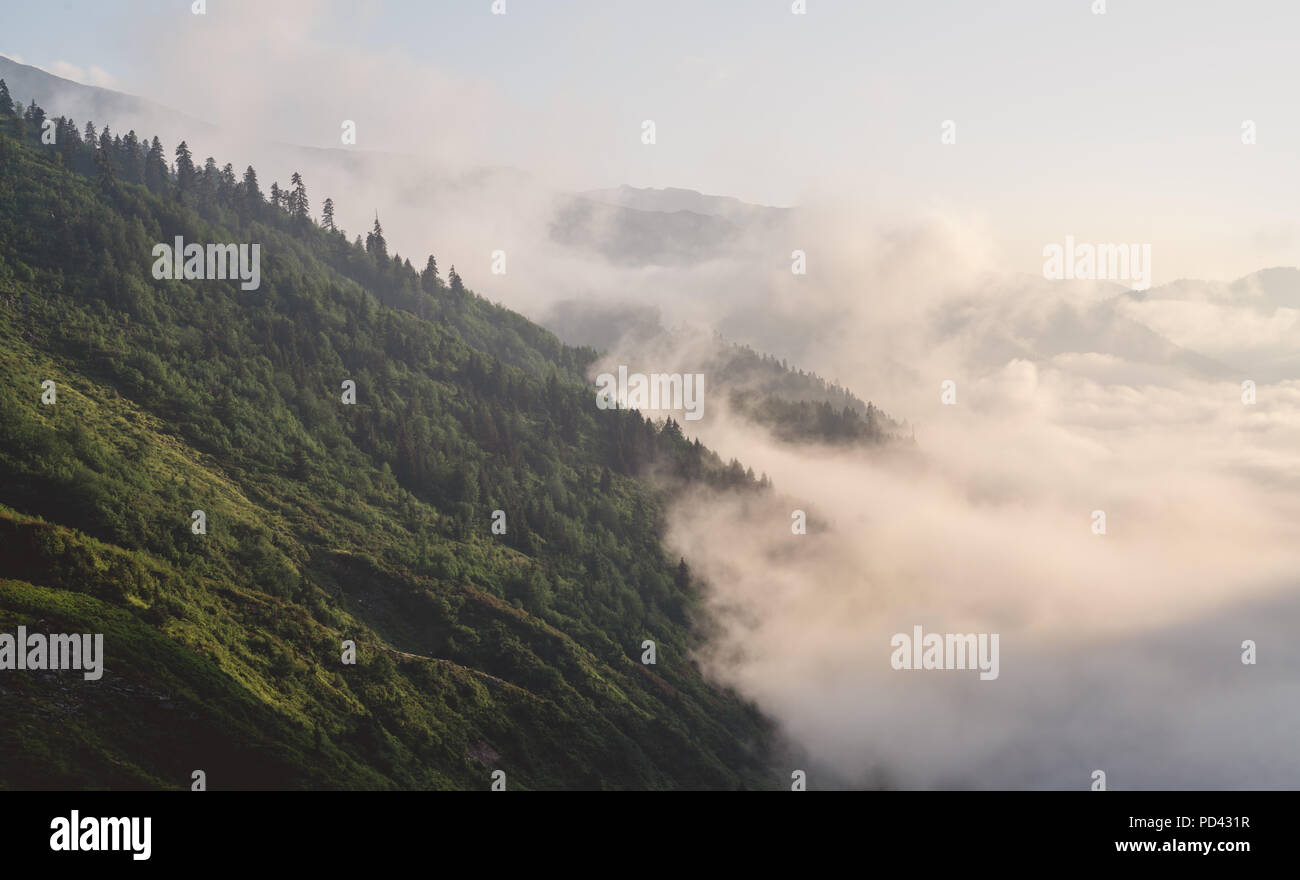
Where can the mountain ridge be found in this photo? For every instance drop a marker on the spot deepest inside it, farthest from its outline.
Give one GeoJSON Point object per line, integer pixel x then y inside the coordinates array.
{"type": "Point", "coordinates": [326, 523]}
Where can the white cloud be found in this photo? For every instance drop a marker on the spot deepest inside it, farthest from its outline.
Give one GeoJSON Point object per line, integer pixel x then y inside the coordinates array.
{"type": "Point", "coordinates": [1114, 647]}
{"type": "Point", "coordinates": [92, 76]}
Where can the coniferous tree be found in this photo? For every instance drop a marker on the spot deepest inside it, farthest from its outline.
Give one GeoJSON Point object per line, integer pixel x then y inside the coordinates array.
{"type": "Point", "coordinates": [70, 144]}
{"type": "Point", "coordinates": [209, 181]}
{"type": "Point", "coordinates": [227, 183]}
{"type": "Point", "coordinates": [252, 193]}
{"type": "Point", "coordinates": [429, 277]}
{"type": "Point", "coordinates": [185, 173]}
{"type": "Point", "coordinates": [155, 167]}
{"type": "Point", "coordinates": [6, 102]}
{"type": "Point", "coordinates": [375, 244]}
{"type": "Point", "coordinates": [104, 159]}
{"type": "Point", "coordinates": [35, 115]}
{"type": "Point", "coordinates": [128, 157]}
{"type": "Point", "coordinates": [298, 205]}
{"type": "Point", "coordinates": [327, 215]}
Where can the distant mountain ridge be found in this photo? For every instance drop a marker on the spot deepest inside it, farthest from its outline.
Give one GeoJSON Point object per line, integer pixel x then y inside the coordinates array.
{"type": "Point", "coordinates": [643, 227]}
{"type": "Point", "coordinates": [671, 199]}
{"type": "Point", "coordinates": [625, 225]}
{"type": "Point", "coordinates": [61, 96]}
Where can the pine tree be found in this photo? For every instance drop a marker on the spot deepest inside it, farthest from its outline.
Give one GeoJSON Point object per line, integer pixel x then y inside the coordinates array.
{"type": "Point", "coordinates": [227, 181]}
{"type": "Point", "coordinates": [683, 578]}
{"type": "Point", "coordinates": [185, 173]}
{"type": "Point", "coordinates": [298, 205]}
{"type": "Point", "coordinates": [429, 277]}
{"type": "Point", "coordinates": [129, 157]}
{"type": "Point", "coordinates": [210, 180]}
{"type": "Point", "coordinates": [454, 281]}
{"type": "Point", "coordinates": [6, 102]}
{"type": "Point", "coordinates": [375, 244]}
{"type": "Point", "coordinates": [35, 115]}
{"type": "Point", "coordinates": [104, 159]}
{"type": "Point", "coordinates": [68, 133]}
{"type": "Point", "coordinates": [251, 192]}
{"type": "Point", "coordinates": [155, 167]}
{"type": "Point", "coordinates": [327, 215]}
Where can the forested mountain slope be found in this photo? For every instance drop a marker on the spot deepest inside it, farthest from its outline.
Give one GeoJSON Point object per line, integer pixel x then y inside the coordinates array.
{"type": "Point", "coordinates": [325, 521]}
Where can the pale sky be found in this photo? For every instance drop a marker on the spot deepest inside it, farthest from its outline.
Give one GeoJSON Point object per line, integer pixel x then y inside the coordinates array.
{"type": "Point", "coordinates": [1120, 127]}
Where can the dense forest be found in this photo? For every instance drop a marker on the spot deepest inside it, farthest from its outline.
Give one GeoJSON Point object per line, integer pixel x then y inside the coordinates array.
{"type": "Point", "coordinates": [798, 406]}
{"type": "Point", "coordinates": [793, 405]}
{"type": "Point", "coordinates": [326, 520]}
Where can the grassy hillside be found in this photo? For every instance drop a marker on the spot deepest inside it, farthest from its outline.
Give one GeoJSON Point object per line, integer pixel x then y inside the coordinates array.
{"type": "Point", "coordinates": [325, 521]}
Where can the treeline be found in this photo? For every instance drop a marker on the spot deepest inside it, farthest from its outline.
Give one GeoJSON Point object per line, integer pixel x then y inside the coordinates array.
{"type": "Point", "coordinates": [799, 406]}
{"type": "Point", "coordinates": [110, 158]}
{"type": "Point", "coordinates": [802, 421]}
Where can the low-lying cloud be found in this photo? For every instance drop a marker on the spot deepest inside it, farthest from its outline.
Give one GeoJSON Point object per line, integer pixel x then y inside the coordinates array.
{"type": "Point", "coordinates": [1119, 652]}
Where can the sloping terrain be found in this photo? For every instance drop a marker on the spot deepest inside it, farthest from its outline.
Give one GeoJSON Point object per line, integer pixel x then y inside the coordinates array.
{"type": "Point", "coordinates": [325, 521]}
